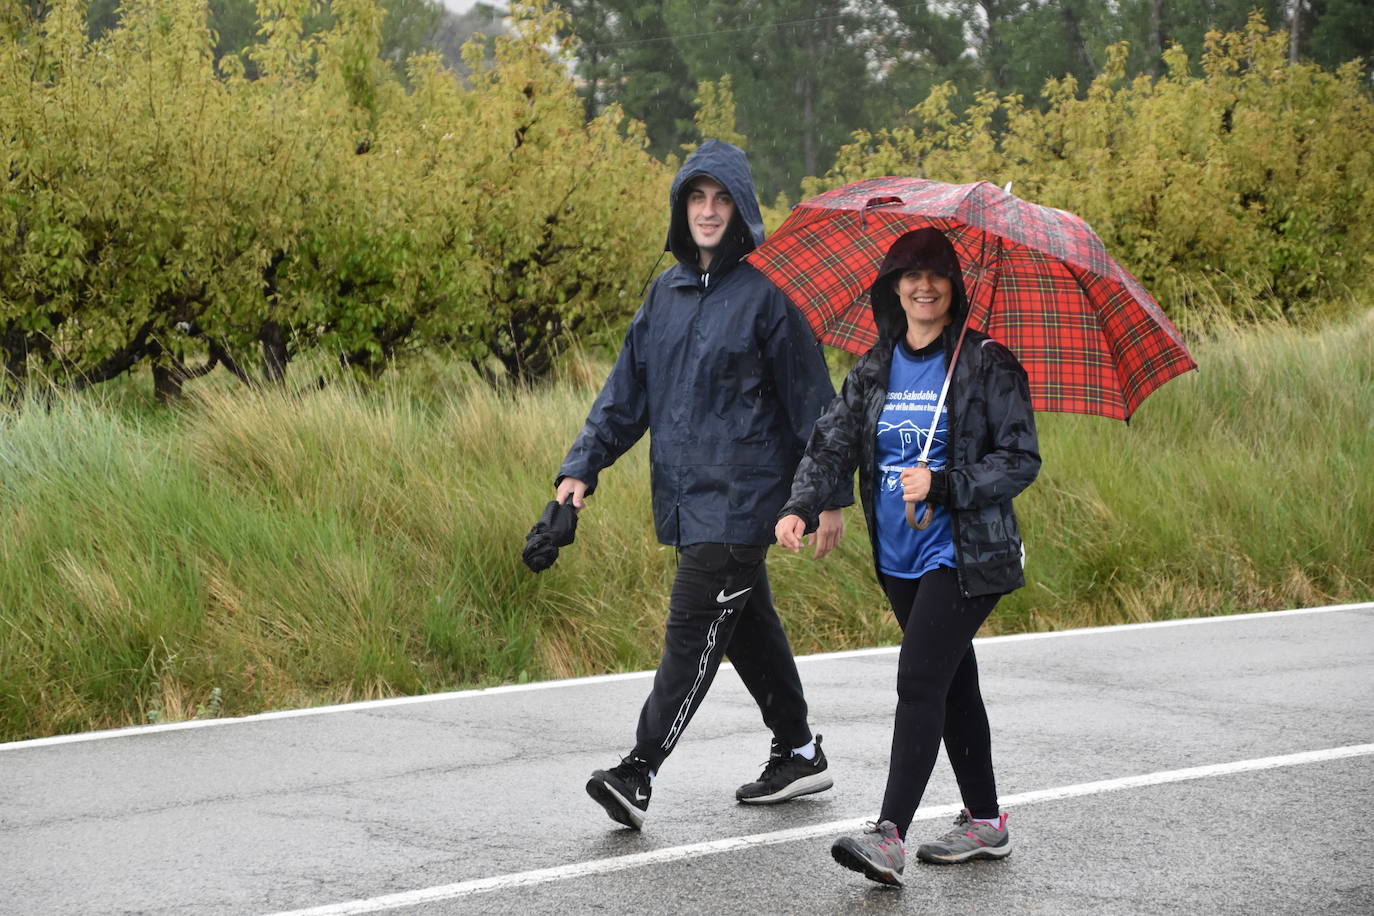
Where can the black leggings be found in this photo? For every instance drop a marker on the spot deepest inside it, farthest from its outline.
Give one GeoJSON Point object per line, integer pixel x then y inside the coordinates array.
{"type": "Point", "coordinates": [938, 696]}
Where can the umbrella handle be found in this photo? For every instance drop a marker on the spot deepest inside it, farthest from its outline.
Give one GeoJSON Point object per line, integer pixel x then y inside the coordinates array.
{"type": "Point", "coordinates": [922, 523]}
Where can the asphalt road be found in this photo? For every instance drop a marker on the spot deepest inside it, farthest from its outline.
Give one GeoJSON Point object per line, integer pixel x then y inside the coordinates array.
{"type": "Point", "coordinates": [1216, 766]}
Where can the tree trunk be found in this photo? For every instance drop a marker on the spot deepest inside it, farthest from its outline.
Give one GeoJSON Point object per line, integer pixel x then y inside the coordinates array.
{"type": "Point", "coordinates": [121, 361]}
{"type": "Point", "coordinates": [992, 48]}
{"type": "Point", "coordinates": [218, 354]}
{"type": "Point", "coordinates": [1156, 37]}
{"type": "Point", "coordinates": [271, 335]}
{"type": "Point", "coordinates": [274, 353]}
{"type": "Point", "coordinates": [592, 100]}
{"type": "Point", "coordinates": [166, 384]}
{"type": "Point", "coordinates": [1294, 29]}
{"type": "Point", "coordinates": [1075, 35]}
{"type": "Point", "coordinates": [170, 375]}
{"type": "Point", "coordinates": [14, 343]}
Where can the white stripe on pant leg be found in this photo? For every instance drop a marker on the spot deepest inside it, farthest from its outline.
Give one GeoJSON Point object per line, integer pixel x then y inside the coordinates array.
{"type": "Point", "coordinates": [702, 664]}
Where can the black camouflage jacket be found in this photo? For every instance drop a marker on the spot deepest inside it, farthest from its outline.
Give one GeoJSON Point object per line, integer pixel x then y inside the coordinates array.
{"type": "Point", "coordinates": [993, 456]}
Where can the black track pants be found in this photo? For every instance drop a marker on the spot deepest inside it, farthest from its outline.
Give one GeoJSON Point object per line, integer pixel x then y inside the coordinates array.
{"type": "Point", "coordinates": [721, 605]}
{"type": "Point", "coordinates": [938, 696]}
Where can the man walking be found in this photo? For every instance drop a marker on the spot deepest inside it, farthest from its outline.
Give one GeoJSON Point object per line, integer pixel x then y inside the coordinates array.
{"type": "Point", "coordinates": [725, 374]}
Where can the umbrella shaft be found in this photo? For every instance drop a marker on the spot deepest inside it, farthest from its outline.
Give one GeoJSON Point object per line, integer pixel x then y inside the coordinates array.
{"type": "Point", "coordinates": [944, 393]}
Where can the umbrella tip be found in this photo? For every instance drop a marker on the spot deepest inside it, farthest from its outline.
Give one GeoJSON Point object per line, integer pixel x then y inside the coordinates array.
{"type": "Point", "coordinates": [1007, 187]}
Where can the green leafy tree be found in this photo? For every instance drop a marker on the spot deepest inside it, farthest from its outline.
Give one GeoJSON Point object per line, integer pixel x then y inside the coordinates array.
{"type": "Point", "coordinates": [1250, 183]}
{"type": "Point", "coordinates": [564, 206]}
{"type": "Point", "coordinates": [807, 72]}
{"type": "Point", "coordinates": [1152, 26]}
{"type": "Point", "coordinates": [118, 207]}
{"type": "Point", "coordinates": [409, 26]}
{"type": "Point", "coordinates": [715, 117]}
{"type": "Point", "coordinates": [1338, 31]}
{"type": "Point", "coordinates": [922, 46]}
{"type": "Point", "coordinates": [627, 55]}
{"type": "Point", "coordinates": [490, 218]}
{"type": "Point", "coordinates": [797, 66]}
{"type": "Point", "coordinates": [161, 208]}
{"type": "Point", "coordinates": [455, 30]}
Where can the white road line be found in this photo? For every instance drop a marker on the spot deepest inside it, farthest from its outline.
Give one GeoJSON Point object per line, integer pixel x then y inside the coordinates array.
{"type": "Point", "coordinates": [697, 850]}
{"type": "Point", "coordinates": [365, 705]}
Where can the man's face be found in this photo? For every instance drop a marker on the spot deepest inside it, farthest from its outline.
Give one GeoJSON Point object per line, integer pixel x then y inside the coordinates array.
{"type": "Point", "coordinates": [709, 208]}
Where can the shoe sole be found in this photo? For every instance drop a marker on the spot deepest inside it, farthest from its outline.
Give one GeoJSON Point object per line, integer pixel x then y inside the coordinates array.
{"type": "Point", "coordinates": [617, 806]}
{"type": "Point", "coordinates": [982, 852]}
{"type": "Point", "coordinates": [807, 785]}
{"type": "Point", "coordinates": [871, 870]}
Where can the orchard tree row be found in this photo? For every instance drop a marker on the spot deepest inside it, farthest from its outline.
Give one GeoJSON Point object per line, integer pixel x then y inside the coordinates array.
{"type": "Point", "coordinates": [164, 207]}
{"type": "Point", "coordinates": [161, 208]}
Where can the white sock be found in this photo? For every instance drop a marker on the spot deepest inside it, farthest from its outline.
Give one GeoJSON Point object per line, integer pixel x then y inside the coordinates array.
{"type": "Point", "coordinates": [652, 774]}
{"type": "Point", "coordinates": [995, 822]}
{"type": "Point", "coordinates": [807, 751]}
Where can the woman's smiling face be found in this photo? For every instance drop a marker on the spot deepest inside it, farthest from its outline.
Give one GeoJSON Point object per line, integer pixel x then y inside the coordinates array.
{"type": "Point", "coordinates": [925, 296]}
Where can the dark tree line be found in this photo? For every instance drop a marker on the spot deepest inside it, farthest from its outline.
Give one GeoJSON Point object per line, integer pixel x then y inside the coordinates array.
{"type": "Point", "coordinates": [808, 72]}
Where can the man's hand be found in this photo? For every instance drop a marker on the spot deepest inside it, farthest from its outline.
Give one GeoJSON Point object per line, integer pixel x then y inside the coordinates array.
{"type": "Point", "coordinates": [915, 484]}
{"type": "Point", "coordinates": [828, 532]}
{"type": "Point", "coordinates": [572, 487]}
{"type": "Point", "coordinates": [789, 531]}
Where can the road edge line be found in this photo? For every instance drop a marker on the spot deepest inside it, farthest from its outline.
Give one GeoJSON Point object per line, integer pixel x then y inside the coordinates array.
{"type": "Point", "coordinates": [365, 705]}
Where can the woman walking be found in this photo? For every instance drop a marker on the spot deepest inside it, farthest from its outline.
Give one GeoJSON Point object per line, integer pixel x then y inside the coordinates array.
{"type": "Point", "coordinates": [943, 580]}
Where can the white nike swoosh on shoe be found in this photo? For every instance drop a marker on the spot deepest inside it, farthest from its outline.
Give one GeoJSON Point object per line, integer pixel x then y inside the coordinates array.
{"type": "Point", "coordinates": [640, 796]}
{"type": "Point", "coordinates": [721, 597]}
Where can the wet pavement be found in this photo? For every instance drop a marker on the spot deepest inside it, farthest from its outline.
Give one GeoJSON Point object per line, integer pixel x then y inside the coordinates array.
{"type": "Point", "coordinates": [473, 802]}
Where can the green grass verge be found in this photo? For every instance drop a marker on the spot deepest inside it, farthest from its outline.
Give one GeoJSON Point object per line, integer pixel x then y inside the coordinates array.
{"type": "Point", "coordinates": [248, 552]}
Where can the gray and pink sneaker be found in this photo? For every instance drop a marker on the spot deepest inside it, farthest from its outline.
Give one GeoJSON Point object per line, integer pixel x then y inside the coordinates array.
{"type": "Point", "coordinates": [969, 839]}
{"type": "Point", "coordinates": [877, 852]}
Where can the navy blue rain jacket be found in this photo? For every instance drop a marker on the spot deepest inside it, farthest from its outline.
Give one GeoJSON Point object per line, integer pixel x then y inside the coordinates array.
{"type": "Point", "coordinates": [724, 373]}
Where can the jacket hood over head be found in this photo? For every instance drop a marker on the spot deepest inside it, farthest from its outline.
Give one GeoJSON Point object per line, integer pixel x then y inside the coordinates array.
{"type": "Point", "coordinates": [725, 163]}
{"type": "Point", "coordinates": [921, 248]}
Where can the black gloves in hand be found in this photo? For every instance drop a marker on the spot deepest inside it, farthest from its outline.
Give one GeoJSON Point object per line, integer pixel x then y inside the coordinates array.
{"type": "Point", "coordinates": [555, 529]}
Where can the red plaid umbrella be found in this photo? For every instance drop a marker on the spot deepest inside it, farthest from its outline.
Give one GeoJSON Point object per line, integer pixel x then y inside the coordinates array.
{"type": "Point", "coordinates": [1039, 280]}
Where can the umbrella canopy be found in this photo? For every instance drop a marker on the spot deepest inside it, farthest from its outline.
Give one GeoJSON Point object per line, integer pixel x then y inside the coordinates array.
{"type": "Point", "coordinates": [1039, 280]}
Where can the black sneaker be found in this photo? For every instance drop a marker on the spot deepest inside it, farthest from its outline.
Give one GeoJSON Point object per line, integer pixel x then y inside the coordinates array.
{"type": "Point", "coordinates": [785, 776]}
{"type": "Point", "coordinates": [623, 791]}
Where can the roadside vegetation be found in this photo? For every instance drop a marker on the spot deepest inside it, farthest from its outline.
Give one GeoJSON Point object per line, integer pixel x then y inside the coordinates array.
{"type": "Point", "coordinates": [251, 552]}
{"type": "Point", "coordinates": [293, 336]}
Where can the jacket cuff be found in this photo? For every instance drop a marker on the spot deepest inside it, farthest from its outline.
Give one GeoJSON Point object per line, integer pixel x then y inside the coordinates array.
{"type": "Point", "coordinates": [939, 488]}
{"type": "Point", "coordinates": [843, 497]}
{"type": "Point", "coordinates": [589, 479]}
{"type": "Point", "coordinates": [812, 519]}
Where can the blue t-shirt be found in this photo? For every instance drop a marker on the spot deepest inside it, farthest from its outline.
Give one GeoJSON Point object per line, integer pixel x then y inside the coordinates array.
{"type": "Point", "coordinates": [913, 387]}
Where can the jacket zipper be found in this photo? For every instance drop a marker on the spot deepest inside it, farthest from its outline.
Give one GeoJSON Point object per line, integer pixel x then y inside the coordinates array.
{"type": "Point", "coordinates": [949, 459]}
